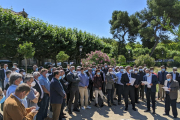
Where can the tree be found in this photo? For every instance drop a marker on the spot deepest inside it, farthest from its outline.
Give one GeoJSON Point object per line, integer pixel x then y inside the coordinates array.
{"type": "Point", "coordinates": [123, 25]}
{"type": "Point", "coordinates": [121, 59]}
{"type": "Point", "coordinates": [27, 51]}
{"type": "Point", "coordinates": [61, 56]}
{"type": "Point", "coordinates": [140, 51]}
{"type": "Point", "coordinates": [145, 59]}
{"type": "Point", "coordinates": [152, 19]}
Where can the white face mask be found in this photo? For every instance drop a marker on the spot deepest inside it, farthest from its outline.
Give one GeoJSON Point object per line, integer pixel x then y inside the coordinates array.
{"type": "Point", "coordinates": [24, 73]}
{"type": "Point", "coordinates": [33, 84]}
{"type": "Point", "coordinates": [47, 75]}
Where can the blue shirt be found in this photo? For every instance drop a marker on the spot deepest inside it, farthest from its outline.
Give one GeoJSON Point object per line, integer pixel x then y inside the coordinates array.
{"type": "Point", "coordinates": [45, 82]}
{"type": "Point", "coordinates": [84, 81]}
{"type": "Point", "coordinates": [17, 97]}
{"type": "Point", "coordinates": [6, 81]}
{"type": "Point", "coordinates": [10, 90]}
{"type": "Point", "coordinates": [119, 75]}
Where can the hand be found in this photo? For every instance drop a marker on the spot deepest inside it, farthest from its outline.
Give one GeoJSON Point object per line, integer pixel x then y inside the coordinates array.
{"type": "Point", "coordinates": [65, 97]}
{"type": "Point", "coordinates": [85, 87]}
{"type": "Point", "coordinates": [34, 111]}
{"type": "Point", "coordinates": [142, 84]}
{"type": "Point", "coordinates": [128, 84]}
{"type": "Point", "coordinates": [99, 88]}
{"type": "Point", "coordinates": [151, 84]}
{"type": "Point", "coordinates": [33, 107]}
{"type": "Point", "coordinates": [169, 89]}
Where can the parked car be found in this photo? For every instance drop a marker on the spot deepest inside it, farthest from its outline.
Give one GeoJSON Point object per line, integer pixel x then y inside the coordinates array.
{"type": "Point", "coordinates": [58, 64]}
{"type": "Point", "coordinates": [47, 63]}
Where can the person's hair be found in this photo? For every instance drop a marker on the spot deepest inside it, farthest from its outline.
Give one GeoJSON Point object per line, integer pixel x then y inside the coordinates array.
{"type": "Point", "coordinates": [56, 73]}
{"type": "Point", "coordinates": [72, 67]}
{"type": "Point", "coordinates": [28, 78]}
{"type": "Point", "coordinates": [13, 77]}
{"type": "Point", "coordinates": [61, 71]}
{"type": "Point", "coordinates": [49, 66]}
{"type": "Point", "coordinates": [175, 68]}
{"type": "Point", "coordinates": [8, 72]}
{"type": "Point", "coordinates": [36, 74]}
{"type": "Point", "coordinates": [43, 70]}
{"type": "Point", "coordinates": [162, 66]}
{"type": "Point", "coordinates": [40, 68]}
{"type": "Point", "coordinates": [135, 69]}
{"type": "Point", "coordinates": [54, 68]}
{"type": "Point", "coordinates": [34, 66]}
{"type": "Point", "coordinates": [128, 67]}
{"type": "Point", "coordinates": [147, 70]}
{"type": "Point", "coordinates": [22, 87]}
{"type": "Point", "coordinates": [98, 70]}
{"type": "Point", "coordinates": [15, 64]}
{"type": "Point", "coordinates": [82, 68]}
{"type": "Point", "coordinates": [140, 66]}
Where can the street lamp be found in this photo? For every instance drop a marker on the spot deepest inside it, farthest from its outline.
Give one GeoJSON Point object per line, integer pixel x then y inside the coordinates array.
{"type": "Point", "coordinates": [129, 54]}
{"type": "Point", "coordinates": [80, 50]}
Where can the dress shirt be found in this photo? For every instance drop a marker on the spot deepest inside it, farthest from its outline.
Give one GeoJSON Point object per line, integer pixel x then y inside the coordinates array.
{"type": "Point", "coordinates": [45, 82]}
{"type": "Point", "coordinates": [174, 76]}
{"type": "Point", "coordinates": [42, 92]}
{"type": "Point", "coordinates": [5, 73]}
{"type": "Point", "coordinates": [6, 82]}
{"type": "Point", "coordinates": [168, 85]}
{"type": "Point", "coordinates": [10, 90]}
{"type": "Point", "coordinates": [149, 80]}
{"type": "Point", "coordinates": [119, 75]}
{"type": "Point", "coordinates": [17, 97]}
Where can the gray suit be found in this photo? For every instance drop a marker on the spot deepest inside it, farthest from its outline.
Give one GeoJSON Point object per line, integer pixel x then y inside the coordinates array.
{"type": "Point", "coordinates": [110, 82]}
{"type": "Point", "coordinates": [110, 86]}
{"type": "Point", "coordinates": [174, 89]}
{"type": "Point", "coordinates": [171, 97]}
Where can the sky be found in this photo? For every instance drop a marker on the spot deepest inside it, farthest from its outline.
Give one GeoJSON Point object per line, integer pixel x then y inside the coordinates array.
{"type": "Point", "coordinates": [91, 16]}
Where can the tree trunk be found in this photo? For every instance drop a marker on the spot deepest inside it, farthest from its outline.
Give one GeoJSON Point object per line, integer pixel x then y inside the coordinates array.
{"type": "Point", "coordinates": [25, 64]}
{"type": "Point", "coordinates": [55, 62]}
{"type": "Point", "coordinates": [154, 47]}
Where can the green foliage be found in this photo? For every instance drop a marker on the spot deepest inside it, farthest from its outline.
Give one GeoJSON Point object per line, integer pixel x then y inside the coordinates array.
{"type": "Point", "coordinates": [140, 51]}
{"type": "Point", "coordinates": [160, 52]}
{"type": "Point", "coordinates": [121, 59]}
{"type": "Point", "coordinates": [177, 59]}
{"type": "Point", "coordinates": [145, 59]}
{"type": "Point", "coordinates": [61, 56]}
{"type": "Point", "coordinates": [26, 50]}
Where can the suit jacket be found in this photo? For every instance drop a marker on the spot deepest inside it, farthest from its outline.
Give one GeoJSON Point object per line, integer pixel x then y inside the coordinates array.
{"type": "Point", "coordinates": [2, 74]}
{"type": "Point", "coordinates": [138, 81]}
{"type": "Point", "coordinates": [177, 77]}
{"type": "Point", "coordinates": [154, 81]}
{"type": "Point", "coordinates": [15, 110]}
{"type": "Point", "coordinates": [125, 78]}
{"type": "Point", "coordinates": [90, 80]}
{"type": "Point", "coordinates": [160, 79]}
{"type": "Point", "coordinates": [38, 89]}
{"type": "Point", "coordinates": [73, 80]}
{"type": "Point", "coordinates": [57, 92]}
{"type": "Point", "coordinates": [110, 82]}
{"type": "Point", "coordinates": [174, 89]}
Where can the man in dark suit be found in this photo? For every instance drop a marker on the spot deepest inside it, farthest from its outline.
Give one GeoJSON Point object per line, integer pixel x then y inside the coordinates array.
{"type": "Point", "coordinates": [161, 78]}
{"type": "Point", "coordinates": [136, 85]}
{"type": "Point", "coordinates": [171, 95]}
{"type": "Point", "coordinates": [141, 87]}
{"type": "Point", "coordinates": [3, 75]}
{"type": "Point", "coordinates": [41, 94]}
{"type": "Point", "coordinates": [150, 89]}
{"type": "Point", "coordinates": [90, 87]}
{"type": "Point", "coordinates": [57, 94]}
{"type": "Point", "coordinates": [175, 74]}
{"type": "Point", "coordinates": [128, 88]}
{"type": "Point", "coordinates": [73, 81]}
{"type": "Point", "coordinates": [51, 75]}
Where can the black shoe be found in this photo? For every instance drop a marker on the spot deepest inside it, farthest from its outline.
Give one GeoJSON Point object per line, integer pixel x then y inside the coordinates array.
{"type": "Point", "coordinates": [134, 109]}
{"type": "Point", "coordinates": [119, 103]}
{"type": "Point", "coordinates": [64, 116]}
{"type": "Point", "coordinates": [91, 100]}
{"type": "Point", "coordinates": [165, 114]}
{"type": "Point", "coordinates": [77, 110]}
{"type": "Point", "coordinates": [137, 102]}
{"type": "Point", "coordinates": [147, 111]}
{"type": "Point", "coordinates": [175, 116]}
{"type": "Point", "coordinates": [114, 104]}
{"type": "Point", "coordinates": [126, 109]}
{"type": "Point", "coordinates": [115, 98]}
{"type": "Point", "coordinates": [109, 105]}
{"type": "Point", "coordinates": [102, 105]}
{"type": "Point", "coordinates": [69, 111]}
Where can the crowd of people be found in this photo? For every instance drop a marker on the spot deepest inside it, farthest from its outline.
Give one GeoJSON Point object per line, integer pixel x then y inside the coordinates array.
{"type": "Point", "coordinates": [28, 96]}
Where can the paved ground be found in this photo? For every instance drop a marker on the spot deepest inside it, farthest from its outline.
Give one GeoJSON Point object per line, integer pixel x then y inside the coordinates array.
{"type": "Point", "coordinates": [118, 113]}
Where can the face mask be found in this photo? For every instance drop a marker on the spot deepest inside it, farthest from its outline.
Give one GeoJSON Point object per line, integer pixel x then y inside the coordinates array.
{"type": "Point", "coordinates": [135, 72]}
{"type": "Point", "coordinates": [60, 77]}
{"type": "Point", "coordinates": [113, 69]}
{"type": "Point", "coordinates": [21, 82]}
{"type": "Point", "coordinates": [24, 73]}
{"type": "Point", "coordinates": [73, 71]}
{"type": "Point", "coordinates": [36, 69]}
{"type": "Point", "coordinates": [168, 80]}
{"type": "Point", "coordinates": [51, 70]}
{"type": "Point", "coordinates": [106, 66]}
{"type": "Point", "coordinates": [130, 70]}
{"type": "Point", "coordinates": [147, 74]}
{"type": "Point", "coordinates": [92, 69]}
{"type": "Point", "coordinates": [152, 71]}
{"type": "Point", "coordinates": [63, 76]}
{"type": "Point", "coordinates": [98, 73]}
{"type": "Point", "coordinates": [24, 98]}
{"type": "Point", "coordinates": [175, 71]}
{"type": "Point", "coordinates": [39, 77]}
{"type": "Point", "coordinates": [100, 70]}
{"type": "Point", "coordinates": [14, 67]}
{"type": "Point", "coordinates": [163, 69]}
{"type": "Point", "coordinates": [102, 67]}
{"type": "Point", "coordinates": [6, 68]}
{"type": "Point", "coordinates": [47, 75]}
{"type": "Point", "coordinates": [140, 70]}
{"type": "Point", "coordinates": [33, 84]}
{"type": "Point", "coordinates": [122, 70]}
{"type": "Point", "coordinates": [84, 72]}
